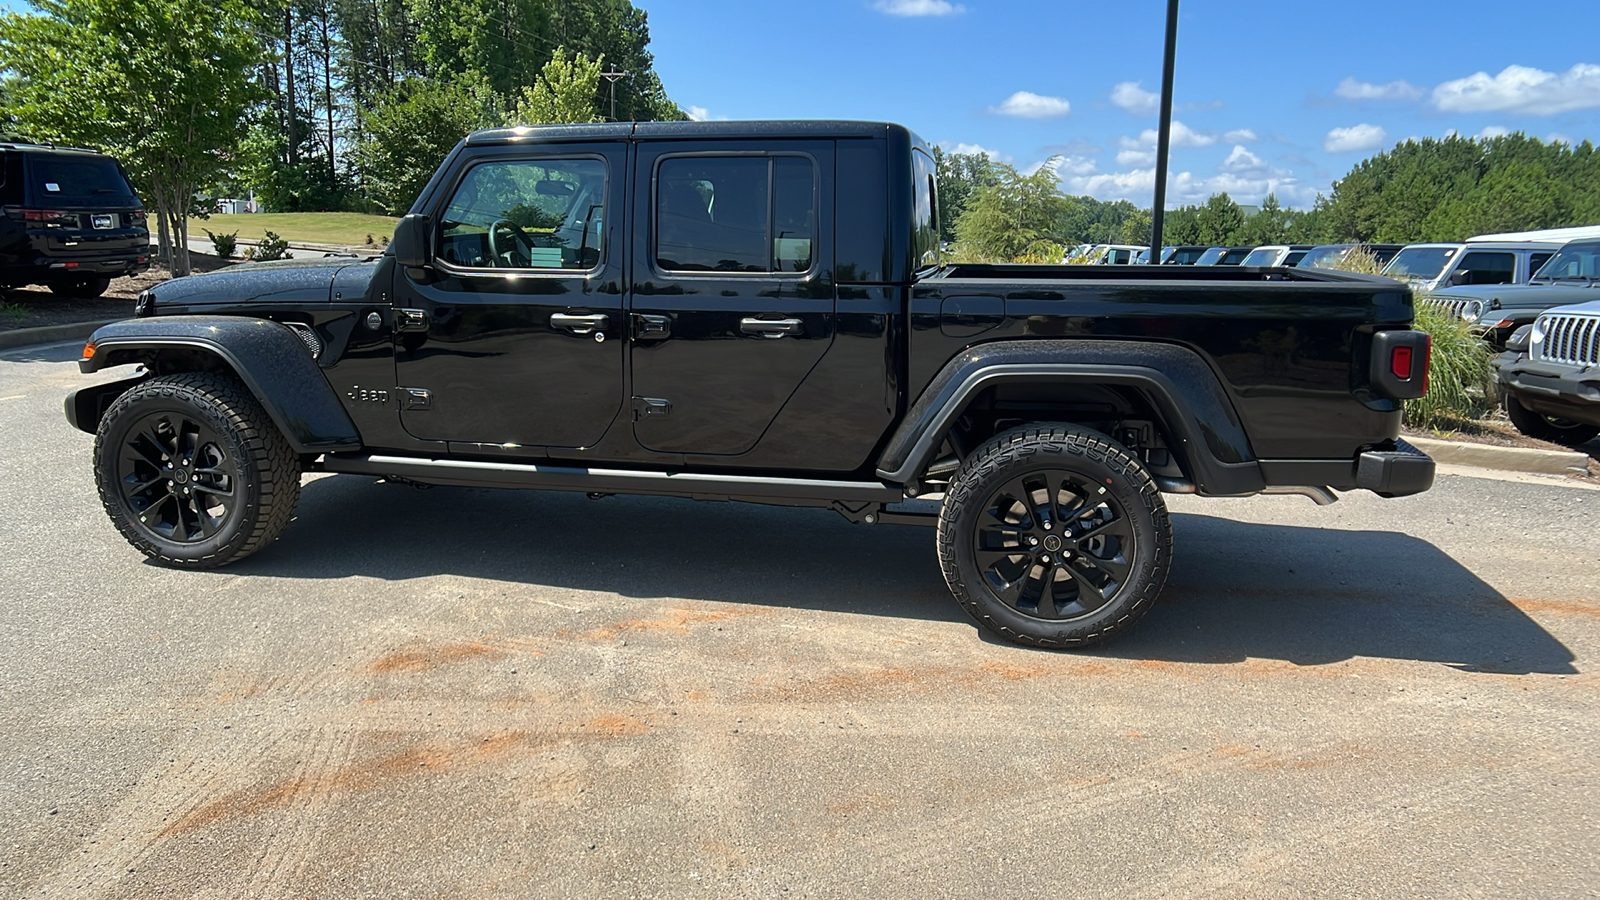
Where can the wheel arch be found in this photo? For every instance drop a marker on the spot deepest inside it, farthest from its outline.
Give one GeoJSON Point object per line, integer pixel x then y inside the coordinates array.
{"type": "Point", "coordinates": [266, 357]}
{"type": "Point", "coordinates": [1170, 383]}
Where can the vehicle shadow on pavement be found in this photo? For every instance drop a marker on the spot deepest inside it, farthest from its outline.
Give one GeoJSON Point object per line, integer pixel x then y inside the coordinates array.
{"type": "Point", "coordinates": [1311, 596]}
{"type": "Point", "coordinates": [1238, 591]}
{"type": "Point", "coordinates": [69, 351]}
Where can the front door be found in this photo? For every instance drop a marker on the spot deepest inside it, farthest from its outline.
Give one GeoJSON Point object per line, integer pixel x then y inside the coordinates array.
{"type": "Point", "coordinates": [514, 335]}
{"type": "Point", "coordinates": [732, 303]}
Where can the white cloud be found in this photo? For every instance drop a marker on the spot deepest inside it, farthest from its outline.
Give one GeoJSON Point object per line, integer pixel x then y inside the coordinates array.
{"type": "Point", "coordinates": [1239, 136]}
{"type": "Point", "coordinates": [1351, 89]}
{"type": "Point", "coordinates": [1140, 151]}
{"type": "Point", "coordinates": [701, 114]}
{"type": "Point", "coordinates": [1029, 105]}
{"type": "Point", "coordinates": [1522, 89]}
{"type": "Point", "coordinates": [1135, 99]}
{"type": "Point", "coordinates": [969, 149]}
{"type": "Point", "coordinates": [1494, 131]}
{"type": "Point", "coordinates": [1354, 138]}
{"type": "Point", "coordinates": [1128, 156]}
{"type": "Point", "coordinates": [919, 7]}
{"type": "Point", "coordinates": [1185, 188]}
{"type": "Point", "coordinates": [1243, 162]}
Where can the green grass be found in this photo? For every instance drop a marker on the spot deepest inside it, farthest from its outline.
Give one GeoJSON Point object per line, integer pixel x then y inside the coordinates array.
{"type": "Point", "coordinates": [345, 229]}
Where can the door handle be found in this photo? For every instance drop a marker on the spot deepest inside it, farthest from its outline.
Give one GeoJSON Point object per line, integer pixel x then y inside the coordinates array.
{"type": "Point", "coordinates": [579, 324]}
{"type": "Point", "coordinates": [771, 328]}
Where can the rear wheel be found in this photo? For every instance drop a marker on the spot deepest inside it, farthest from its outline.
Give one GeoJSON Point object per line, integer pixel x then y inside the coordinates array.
{"type": "Point", "coordinates": [86, 288]}
{"type": "Point", "coordinates": [1549, 428]}
{"type": "Point", "coordinates": [193, 472]}
{"type": "Point", "coordinates": [1054, 536]}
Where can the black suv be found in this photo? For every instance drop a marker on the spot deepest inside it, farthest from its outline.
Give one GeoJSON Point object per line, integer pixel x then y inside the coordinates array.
{"type": "Point", "coordinates": [71, 220]}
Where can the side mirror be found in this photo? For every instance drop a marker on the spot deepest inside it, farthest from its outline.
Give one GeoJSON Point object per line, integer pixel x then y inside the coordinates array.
{"type": "Point", "coordinates": [1460, 277]}
{"type": "Point", "coordinates": [1520, 339]}
{"type": "Point", "coordinates": [412, 238]}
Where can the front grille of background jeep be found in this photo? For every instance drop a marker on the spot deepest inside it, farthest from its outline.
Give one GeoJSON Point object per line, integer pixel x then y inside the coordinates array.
{"type": "Point", "coordinates": [1452, 306]}
{"type": "Point", "coordinates": [1574, 340]}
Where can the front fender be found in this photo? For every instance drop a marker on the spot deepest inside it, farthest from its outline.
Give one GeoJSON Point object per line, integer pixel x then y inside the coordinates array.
{"type": "Point", "coordinates": [268, 357]}
{"type": "Point", "coordinates": [1178, 383]}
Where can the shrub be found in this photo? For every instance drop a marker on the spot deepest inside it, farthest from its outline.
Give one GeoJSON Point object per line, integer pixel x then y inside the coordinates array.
{"type": "Point", "coordinates": [370, 241]}
{"type": "Point", "coordinates": [1460, 379]}
{"type": "Point", "coordinates": [224, 243]}
{"type": "Point", "coordinates": [271, 247]}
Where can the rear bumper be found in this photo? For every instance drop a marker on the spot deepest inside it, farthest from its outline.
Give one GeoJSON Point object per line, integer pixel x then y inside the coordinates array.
{"type": "Point", "coordinates": [1391, 469]}
{"type": "Point", "coordinates": [49, 268]}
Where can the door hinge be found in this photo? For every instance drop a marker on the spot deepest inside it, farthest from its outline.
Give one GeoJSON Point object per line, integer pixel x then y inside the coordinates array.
{"type": "Point", "coordinates": [410, 320]}
{"type": "Point", "coordinates": [650, 407]}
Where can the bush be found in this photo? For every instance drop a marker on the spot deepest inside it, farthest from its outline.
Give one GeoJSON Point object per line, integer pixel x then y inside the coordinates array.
{"type": "Point", "coordinates": [224, 243]}
{"type": "Point", "coordinates": [1460, 379]}
{"type": "Point", "coordinates": [271, 247]}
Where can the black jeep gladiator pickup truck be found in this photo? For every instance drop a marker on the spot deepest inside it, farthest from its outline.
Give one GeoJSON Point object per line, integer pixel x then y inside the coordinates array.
{"type": "Point", "coordinates": [755, 311]}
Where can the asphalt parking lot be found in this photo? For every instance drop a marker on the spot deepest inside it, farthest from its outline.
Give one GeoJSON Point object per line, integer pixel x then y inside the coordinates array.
{"type": "Point", "coordinates": [471, 693]}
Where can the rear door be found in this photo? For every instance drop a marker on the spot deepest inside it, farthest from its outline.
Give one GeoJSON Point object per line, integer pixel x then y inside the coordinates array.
{"type": "Point", "coordinates": [732, 304]}
{"type": "Point", "coordinates": [513, 335]}
{"type": "Point", "coordinates": [83, 207]}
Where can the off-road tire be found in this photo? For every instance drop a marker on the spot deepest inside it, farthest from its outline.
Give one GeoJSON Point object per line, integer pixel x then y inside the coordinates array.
{"type": "Point", "coordinates": [1549, 428]}
{"type": "Point", "coordinates": [1033, 452]}
{"type": "Point", "coordinates": [82, 288]}
{"type": "Point", "coordinates": [263, 469]}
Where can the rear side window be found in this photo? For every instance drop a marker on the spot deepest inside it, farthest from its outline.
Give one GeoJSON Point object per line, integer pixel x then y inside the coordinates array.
{"type": "Point", "coordinates": [1483, 267]}
{"type": "Point", "coordinates": [11, 178]}
{"type": "Point", "coordinates": [735, 214]}
{"type": "Point", "coordinates": [925, 191]}
{"type": "Point", "coordinates": [85, 179]}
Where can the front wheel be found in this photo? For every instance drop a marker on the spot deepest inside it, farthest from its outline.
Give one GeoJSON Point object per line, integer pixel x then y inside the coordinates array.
{"type": "Point", "coordinates": [193, 472]}
{"type": "Point", "coordinates": [1054, 536]}
{"type": "Point", "coordinates": [1549, 428]}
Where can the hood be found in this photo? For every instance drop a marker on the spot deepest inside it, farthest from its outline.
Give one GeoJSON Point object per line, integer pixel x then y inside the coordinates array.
{"type": "Point", "coordinates": [1521, 295]}
{"type": "Point", "coordinates": [1592, 308]}
{"type": "Point", "coordinates": [280, 281]}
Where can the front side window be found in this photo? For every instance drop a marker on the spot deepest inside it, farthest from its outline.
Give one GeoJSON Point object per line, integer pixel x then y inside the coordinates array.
{"type": "Point", "coordinates": [527, 214]}
{"type": "Point", "coordinates": [1489, 268]}
{"type": "Point", "coordinates": [735, 214]}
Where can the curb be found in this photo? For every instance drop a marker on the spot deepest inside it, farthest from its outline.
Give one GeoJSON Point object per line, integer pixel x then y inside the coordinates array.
{"type": "Point", "coordinates": [50, 334]}
{"type": "Point", "coordinates": [1513, 459]}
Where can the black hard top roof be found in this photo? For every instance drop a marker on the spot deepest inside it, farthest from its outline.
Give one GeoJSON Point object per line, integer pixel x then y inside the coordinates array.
{"type": "Point", "coordinates": [46, 148]}
{"type": "Point", "coordinates": [800, 128]}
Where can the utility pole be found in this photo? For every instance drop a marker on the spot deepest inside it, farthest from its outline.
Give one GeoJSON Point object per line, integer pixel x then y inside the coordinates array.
{"type": "Point", "coordinates": [613, 76]}
{"type": "Point", "coordinates": [1164, 138]}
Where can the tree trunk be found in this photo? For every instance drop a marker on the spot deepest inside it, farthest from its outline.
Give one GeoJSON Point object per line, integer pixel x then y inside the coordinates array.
{"type": "Point", "coordinates": [327, 84]}
{"type": "Point", "coordinates": [163, 236]}
{"type": "Point", "coordinates": [290, 109]}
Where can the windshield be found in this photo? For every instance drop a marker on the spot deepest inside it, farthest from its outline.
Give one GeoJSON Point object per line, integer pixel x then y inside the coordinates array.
{"type": "Point", "coordinates": [1423, 263]}
{"type": "Point", "coordinates": [1210, 257]}
{"type": "Point", "coordinates": [1323, 257]}
{"type": "Point", "coordinates": [1574, 261]}
{"type": "Point", "coordinates": [91, 179]}
{"type": "Point", "coordinates": [1262, 256]}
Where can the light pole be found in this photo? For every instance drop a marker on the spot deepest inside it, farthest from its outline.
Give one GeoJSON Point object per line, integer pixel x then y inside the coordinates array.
{"type": "Point", "coordinates": [613, 76]}
{"type": "Point", "coordinates": [1164, 137]}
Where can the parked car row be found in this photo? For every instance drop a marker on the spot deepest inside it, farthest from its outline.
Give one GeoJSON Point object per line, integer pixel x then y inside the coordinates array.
{"type": "Point", "coordinates": [1326, 256]}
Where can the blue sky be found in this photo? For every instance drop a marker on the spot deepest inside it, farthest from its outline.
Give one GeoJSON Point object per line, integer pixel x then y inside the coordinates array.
{"type": "Point", "coordinates": [1272, 96]}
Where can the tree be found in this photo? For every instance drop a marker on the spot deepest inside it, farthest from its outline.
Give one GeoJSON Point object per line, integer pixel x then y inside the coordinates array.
{"type": "Point", "coordinates": [1220, 221]}
{"type": "Point", "coordinates": [1269, 226]}
{"type": "Point", "coordinates": [958, 176]}
{"type": "Point", "coordinates": [564, 93]}
{"type": "Point", "coordinates": [1017, 216]}
{"type": "Point", "coordinates": [412, 129]}
{"type": "Point", "coordinates": [162, 85]}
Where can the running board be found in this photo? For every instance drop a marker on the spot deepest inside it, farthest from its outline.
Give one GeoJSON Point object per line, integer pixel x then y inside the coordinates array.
{"type": "Point", "coordinates": [695, 485]}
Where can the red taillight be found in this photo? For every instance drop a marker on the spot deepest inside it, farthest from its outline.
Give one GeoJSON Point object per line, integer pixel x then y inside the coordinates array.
{"type": "Point", "coordinates": [1400, 363]}
{"type": "Point", "coordinates": [46, 217]}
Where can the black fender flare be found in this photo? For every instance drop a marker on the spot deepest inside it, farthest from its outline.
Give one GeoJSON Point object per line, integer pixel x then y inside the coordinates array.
{"type": "Point", "coordinates": [268, 357]}
{"type": "Point", "coordinates": [1178, 383]}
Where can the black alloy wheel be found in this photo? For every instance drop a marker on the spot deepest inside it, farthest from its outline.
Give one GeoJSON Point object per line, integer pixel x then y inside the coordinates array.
{"type": "Point", "coordinates": [174, 473]}
{"type": "Point", "coordinates": [1054, 536]}
{"type": "Point", "coordinates": [193, 472]}
{"type": "Point", "coordinates": [1053, 544]}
